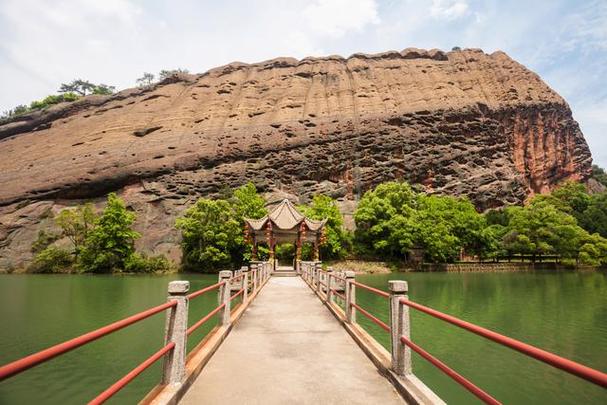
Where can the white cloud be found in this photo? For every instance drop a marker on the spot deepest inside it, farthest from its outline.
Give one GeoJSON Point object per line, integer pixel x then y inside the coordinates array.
{"type": "Point", "coordinates": [336, 17]}
{"type": "Point", "coordinates": [449, 9]}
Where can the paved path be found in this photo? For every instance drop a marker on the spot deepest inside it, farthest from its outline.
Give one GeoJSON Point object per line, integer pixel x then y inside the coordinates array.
{"type": "Point", "coordinates": [289, 349]}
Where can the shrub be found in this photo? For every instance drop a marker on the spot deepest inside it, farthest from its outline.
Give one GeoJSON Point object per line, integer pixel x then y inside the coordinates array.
{"type": "Point", "coordinates": [140, 263]}
{"type": "Point", "coordinates": [51, 260]}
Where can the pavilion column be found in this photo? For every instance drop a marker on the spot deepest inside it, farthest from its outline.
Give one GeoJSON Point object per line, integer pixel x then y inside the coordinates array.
{"type": "Point", "coordinates": [316, 249]}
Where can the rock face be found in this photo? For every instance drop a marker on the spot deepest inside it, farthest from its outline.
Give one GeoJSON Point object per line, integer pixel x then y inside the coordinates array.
{"type": "Point", "coordinates": [463, 123]}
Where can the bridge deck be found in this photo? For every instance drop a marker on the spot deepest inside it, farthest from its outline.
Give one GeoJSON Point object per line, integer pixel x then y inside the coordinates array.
{"type": "Point", "coordinates": [288, 348]}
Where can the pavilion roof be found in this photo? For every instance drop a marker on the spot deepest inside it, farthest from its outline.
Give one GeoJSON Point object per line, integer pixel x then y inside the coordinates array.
{"type": "Point", "coordinates": [285, 217]}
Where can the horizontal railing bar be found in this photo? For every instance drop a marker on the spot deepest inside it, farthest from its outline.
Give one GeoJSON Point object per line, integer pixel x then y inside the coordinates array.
{"type": "Point", "coordinates": [377, 321]}
{"type": "Point", "coordinates": [373, 290]}
{"type": "Point", "coordinates": [206, 289]}
{"type": "Point", "coordinates": [587, 373]}
{"type": "Point", "coordinates": [343, 297]}
{"type": "Point", "coordinates": [478, 392]}
{"type": "Point", "coordinates": [237, 294]}
{"type": "Point", "coordinates": [42, 356]}
{"type": "Point", "coordinates": [337, 277]}
{"type": "Point", "coordinates": [204, 319]}
{"type": "Point", "coordinates": [237, 277]}
{"type": "Point", "coordinates": [118, 385]}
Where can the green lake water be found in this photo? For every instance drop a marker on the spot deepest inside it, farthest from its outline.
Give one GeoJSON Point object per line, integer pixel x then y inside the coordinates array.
{"type": "Point", "coordinates": [563, 312]}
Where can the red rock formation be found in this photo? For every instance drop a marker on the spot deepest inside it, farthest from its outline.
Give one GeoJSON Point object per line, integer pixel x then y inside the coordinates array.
{"type": "Point", "coordinates": [465, 122]}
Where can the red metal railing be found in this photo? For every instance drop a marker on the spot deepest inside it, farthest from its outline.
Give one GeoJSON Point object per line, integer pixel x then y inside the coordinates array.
{"type": "Point", "coordinates": [118, 385]}
{"type": "Point", "coordinates": [373, 319]}
{"type": "Point", "coordinates": [587, 373]}
{"type": "Point", "coordinates": [479, 393]}
{"type": "Point", "coordinates": [569, 366]}
{"type": "Point", "coordinates": [373, 290]}
{"type": "Point", "coordinates": [33, 360]}
{"type": "Point", "coordinates": [237, 294]}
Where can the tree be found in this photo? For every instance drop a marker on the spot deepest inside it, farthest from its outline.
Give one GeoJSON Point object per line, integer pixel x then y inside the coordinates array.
{"type": "Point", "coordinates": [599, 175]}
{"type": "Point", "coordinates": [383, 219]}
{"type": "Point", "coordinates": [78, 86]}
{"type": "Point", "coordinates": [248, 203]}
{"type": "Point", "coordinates": [570, 197]}
{"type": "Point", "coordinates": [112, 241]}
{"type": "Point", "coordinates": [76, 224]}
{"type": "Point", "coordinates": [146, 80]}
{"type": "Point", "coordinates": [165, 74]}
{"type": "Point", "coordinates": [211, 232]}
{"type": "Point", "coordinates": [338, 242]}
{"type": "Point", "coordinates": [104, 89]}
{"type": "Point", "coordinates": [447, 225]}
{"type": "Point", "coordinates": [541, 229]}
{"type": "Point", "coordinates": [594, 217]}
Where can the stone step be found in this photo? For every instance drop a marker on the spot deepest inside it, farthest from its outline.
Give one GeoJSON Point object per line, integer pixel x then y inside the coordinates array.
{"type": "Point", "coordinates": [284, 274]}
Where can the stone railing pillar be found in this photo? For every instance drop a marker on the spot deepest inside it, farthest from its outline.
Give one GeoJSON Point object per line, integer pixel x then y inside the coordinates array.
{"type": "Point", "coordinates": [318, 270]}
{"type": "Point", "coordinates": [224, 297]}
{"type": "Point", "coordinates": [245, 283]}
{"type": "Point", "coordinates": [175, 331]}
{"type": "Point", "coordinates": [254, 271]}
{"type": "Point", "coordinates": [329, 287]}
{"type": "Point", "coordinates": [350, 297]}
{"type": "Point", "coordinates": [400, 326]}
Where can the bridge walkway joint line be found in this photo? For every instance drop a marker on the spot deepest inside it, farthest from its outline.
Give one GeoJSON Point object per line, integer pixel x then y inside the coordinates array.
{"type": "Point", "coordinates": [288, 348]}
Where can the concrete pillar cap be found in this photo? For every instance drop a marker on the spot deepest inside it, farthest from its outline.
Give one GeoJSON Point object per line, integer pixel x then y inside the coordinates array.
{"type": "Point", "coordinates": [225, 274]}
{"type": "Point", "coordinates": [350, 274]}
{"type": "Point", "coordinates": [398, 286]}
{"type": "Point", "coordinates": [179, 287]}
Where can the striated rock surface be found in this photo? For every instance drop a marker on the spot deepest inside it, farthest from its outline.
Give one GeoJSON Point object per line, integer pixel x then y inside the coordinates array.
{"type": "Point", "coordinates": [463, 122]}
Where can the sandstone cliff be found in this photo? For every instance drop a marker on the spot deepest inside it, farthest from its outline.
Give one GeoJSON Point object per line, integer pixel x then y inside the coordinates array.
{"type": "Point", "coordinates": [462, 122]}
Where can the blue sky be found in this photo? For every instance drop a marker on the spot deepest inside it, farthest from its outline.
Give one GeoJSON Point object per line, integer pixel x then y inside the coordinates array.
{"type": "Point", "coordinates": [45, 43]}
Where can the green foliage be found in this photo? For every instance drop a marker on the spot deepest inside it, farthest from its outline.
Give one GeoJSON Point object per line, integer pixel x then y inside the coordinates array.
{"type": "Point", "coordinates": [594, 218]}
{"type": "Point", "coordinates": [76, 224]}
{"type": "Point", "coordinates": [165, 74]}
{"type": "Point", "coordinates": [111, 242]}
{"type": "Point", "coordinates": [211, 234]}
{"type": "Point", "coordinates": [384, 221]}
{"type": "Point", "coordinates": [599, 175]}
{"type": "Point", "coordinates": [51, 260]}
{"type": "Point", "coordinates": [338, 240]}
{"type": "Point", "coordinates": [84, 88]}
{"type": "Point", "coordinates": [446, 225]}
{"type": "Point", "coordinates": [541, 229]}
{"type": "Point", "coordinates": [140, 263]}
{"type": "Point", "coordinates": [44, 240]}
{"type": "Point", "coordinates": [146, 80]}
{"type": "Point", "coordinates": [393, 218]}
{"type": "Point", "coordinates": [247, 203]}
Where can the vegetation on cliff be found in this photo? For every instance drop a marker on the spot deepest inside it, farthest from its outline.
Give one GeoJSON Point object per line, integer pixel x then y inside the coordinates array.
{"type": "Point", "coordinates": [99, 244]}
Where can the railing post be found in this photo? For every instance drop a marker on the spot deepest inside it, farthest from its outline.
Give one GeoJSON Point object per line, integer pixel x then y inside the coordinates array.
{"type": "Point", "coordinates": [329, 284]}
{"type": "Point", "coordinates": [350, 297]}
{"type": "Point", "coordinates": [175, 331]}
{"type": "Point", "coordinates": [224, 297]}
{"type": "Point", "coordinates": [400, 326]}
{"type": "Point", "coordinates": [318, 268]}
{"type": "Point", "coordinates": [254, 275]}
{"type": "Point", "coordinates": [245, 284]}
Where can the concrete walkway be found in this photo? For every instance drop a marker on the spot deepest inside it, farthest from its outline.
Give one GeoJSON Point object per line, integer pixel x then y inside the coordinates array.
{"type": "Point", "coordinates": [288, 348]}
